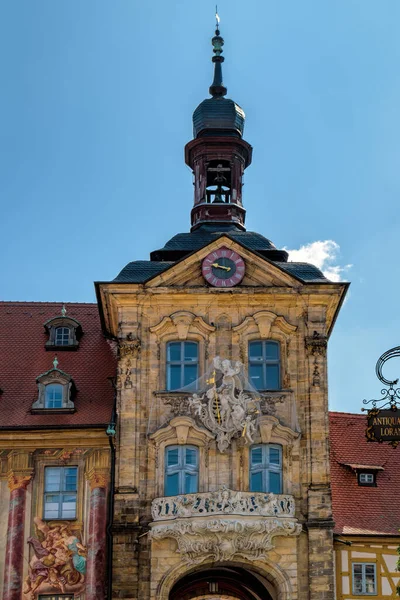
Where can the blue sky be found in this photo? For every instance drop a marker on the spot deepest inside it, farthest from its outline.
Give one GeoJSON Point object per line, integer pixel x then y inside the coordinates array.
{"type": "Point", "coordinates": [96, 107]}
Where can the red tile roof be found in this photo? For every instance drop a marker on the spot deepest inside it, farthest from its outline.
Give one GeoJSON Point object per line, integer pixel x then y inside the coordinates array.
{"type": "Point", "coordinates": [362, 510]}
{"type": "Point", "coordinates": [23, 357]}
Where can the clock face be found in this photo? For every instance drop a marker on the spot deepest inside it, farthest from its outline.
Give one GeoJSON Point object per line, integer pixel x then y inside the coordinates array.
{"type": "Point", "coordinates": [223, 268]}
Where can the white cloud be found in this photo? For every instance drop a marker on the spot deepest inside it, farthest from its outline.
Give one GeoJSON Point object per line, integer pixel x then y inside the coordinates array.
{"type": "Point", "coordinates": [322, 254]}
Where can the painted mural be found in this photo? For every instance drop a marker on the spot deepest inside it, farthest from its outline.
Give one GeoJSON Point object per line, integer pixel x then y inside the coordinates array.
{"type": "Point", "coordinates": [58, 560]}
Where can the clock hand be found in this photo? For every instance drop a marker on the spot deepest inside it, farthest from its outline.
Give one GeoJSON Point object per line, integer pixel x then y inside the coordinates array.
{"type": "Point", "coordinates": [217, 266]}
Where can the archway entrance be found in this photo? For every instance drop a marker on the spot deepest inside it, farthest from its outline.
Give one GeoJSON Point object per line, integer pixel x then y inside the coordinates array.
{"type": "Point", "coordinates": [221, 583]}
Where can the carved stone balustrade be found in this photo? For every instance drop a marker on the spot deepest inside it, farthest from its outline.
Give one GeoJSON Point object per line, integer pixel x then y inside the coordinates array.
{"type": "Point", "coordinates": [223, 524]}
{"type": "Point", "coordinates": [223, 502]}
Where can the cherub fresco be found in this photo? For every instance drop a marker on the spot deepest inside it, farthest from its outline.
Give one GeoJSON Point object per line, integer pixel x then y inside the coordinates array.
{"type": "Point", "coordinates": [58, 561]}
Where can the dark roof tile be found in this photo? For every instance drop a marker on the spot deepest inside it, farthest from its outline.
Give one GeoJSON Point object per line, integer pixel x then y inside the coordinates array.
{"type": "Point", "coordinates": [139, 271]}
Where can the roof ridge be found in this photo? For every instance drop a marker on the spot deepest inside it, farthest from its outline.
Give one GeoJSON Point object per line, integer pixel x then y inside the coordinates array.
{"type": "Point", "coordinates": [342, 413]}
{"type": "Point", "coordinates": [44, 302]}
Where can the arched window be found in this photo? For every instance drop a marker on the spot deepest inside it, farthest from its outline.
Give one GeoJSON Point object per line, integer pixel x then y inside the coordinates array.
{"type": "Point", "coordinates": [182, 364]}
{"type": "Point", "coordinates": [181, 470]}
{"type": "Point", "coordinates": [62, 336]}
{"type": "Point", "coordinates": [54, 396]}
{"type": "Point", "coordinates": [266, 468]}
{"type": "Point", "coordinates": [264, 364]}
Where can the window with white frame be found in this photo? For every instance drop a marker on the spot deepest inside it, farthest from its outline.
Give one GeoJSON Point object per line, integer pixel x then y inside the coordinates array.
{"type": "Point", "coordinates": [60, 491]}
{"type": "Point", "coordinates": [181, 470]}
{"type": "Point", "coordinates": [62, 336]}
{"type": "Point", "coordinates": [182, 364]}
{"type": "Point", "coordinates": [364, 579]}
{"type": "Point", "coordinates": [264, 364]}
{"type": "Point", "coordinates": [54, 395]}
{"type": "Point", "coordinates": [266, 468]}
{"type": "Point", "coordinates": [366, 479]}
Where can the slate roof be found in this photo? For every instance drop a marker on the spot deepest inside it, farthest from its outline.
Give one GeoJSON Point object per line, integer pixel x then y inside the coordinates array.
{"type": "Point", "coordinates": [140, 271]}
{"type": "Point", "coordinates": [183, 244]}
{"type": "Point", "coordinates": [23, 357]}
{"type": "Point", "coordinates": [362, 510]}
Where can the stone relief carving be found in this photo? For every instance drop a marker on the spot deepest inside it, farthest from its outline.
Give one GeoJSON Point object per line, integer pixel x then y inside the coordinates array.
{"type": "Point", "coordinates": [58, 563]}
{"type": "Point", "coordinates": [179, 404]}
{"type": "Point", "coordinates": [130, 347]}
{"type": "Point", "coordinates": [222, 502]}
{"type": "Point", "coordinates": [224, 408]}
{"type": "Point", "coordinates": [316, 344]}
{"type": "Point", "coordinates": [222, 539]}
{"type": "Point", "coordinates": [316, 381]}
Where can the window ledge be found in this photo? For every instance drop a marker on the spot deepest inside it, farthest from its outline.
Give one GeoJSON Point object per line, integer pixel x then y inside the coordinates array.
{"type": "Point", "coordinates": [52, 411]}
{"type": "Point", "coordinates": [51, 346]}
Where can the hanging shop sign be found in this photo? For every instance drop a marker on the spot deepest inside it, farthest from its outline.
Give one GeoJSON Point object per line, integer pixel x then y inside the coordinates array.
{"type": "Point", "coordinates": [383, 419]}
{"type": "Point", "coordinates": [384, 426]}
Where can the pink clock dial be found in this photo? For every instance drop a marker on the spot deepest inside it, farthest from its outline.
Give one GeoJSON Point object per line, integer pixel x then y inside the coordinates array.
{"type": "Point", "coordinates": [223, 268]}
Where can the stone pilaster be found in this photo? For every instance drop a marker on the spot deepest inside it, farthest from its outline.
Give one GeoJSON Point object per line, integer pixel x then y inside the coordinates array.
{"type": "Point", "coordinates": [320, 523]}
{"type": "Point", "coordinates": [19, 476]}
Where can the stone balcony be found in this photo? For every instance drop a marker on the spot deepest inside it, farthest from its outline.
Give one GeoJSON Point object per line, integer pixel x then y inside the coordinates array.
{"type": "Point", "coordinates": [223, 524]}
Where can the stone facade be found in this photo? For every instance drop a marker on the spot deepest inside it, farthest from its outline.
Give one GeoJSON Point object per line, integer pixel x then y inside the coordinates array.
{"type": "Point", "coordinates": [176, 305]}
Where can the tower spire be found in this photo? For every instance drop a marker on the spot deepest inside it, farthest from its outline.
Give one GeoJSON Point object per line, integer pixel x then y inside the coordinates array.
{"type": "Point", "coordinates": [217, 87]}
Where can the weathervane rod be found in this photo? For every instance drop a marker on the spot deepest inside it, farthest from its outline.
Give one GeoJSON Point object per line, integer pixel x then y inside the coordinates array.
{"type": "Point", "coordinates": [217, 19]}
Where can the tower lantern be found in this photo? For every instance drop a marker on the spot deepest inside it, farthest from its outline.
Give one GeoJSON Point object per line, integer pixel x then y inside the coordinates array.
{"type": "Point", "coordinates": [218, 155]}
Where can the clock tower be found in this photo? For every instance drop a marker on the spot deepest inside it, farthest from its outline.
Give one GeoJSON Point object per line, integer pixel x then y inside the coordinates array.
{"type": "Point", "coordinates": [222, 486]}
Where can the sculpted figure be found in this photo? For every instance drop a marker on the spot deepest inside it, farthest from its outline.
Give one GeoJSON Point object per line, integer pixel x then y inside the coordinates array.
{"type": "Point", "coordinates": [225, 406]}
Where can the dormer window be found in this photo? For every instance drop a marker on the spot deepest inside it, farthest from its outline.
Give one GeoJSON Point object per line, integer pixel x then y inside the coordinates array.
{"type": "Point", "coordinates": [64, 332]}
{"type": "Point", "coordinates": [366, 474]}
{"type": "Point", "coordinates": [55, 391]}
{"type": "Point", "coordinates": [365, 478]}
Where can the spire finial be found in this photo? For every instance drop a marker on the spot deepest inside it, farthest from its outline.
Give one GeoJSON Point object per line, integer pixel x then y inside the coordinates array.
{"type": "Point", "coordinates": [217, 87]}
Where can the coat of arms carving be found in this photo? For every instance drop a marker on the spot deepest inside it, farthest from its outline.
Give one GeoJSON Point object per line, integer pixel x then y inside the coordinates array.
{"type": "Point", "coordinates": [226, 407]}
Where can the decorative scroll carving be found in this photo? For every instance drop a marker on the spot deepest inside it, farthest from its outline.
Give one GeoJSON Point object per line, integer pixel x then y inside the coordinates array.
{"type": "Point", "coordinates": [222, 538]}
{"type": "Point", "coordinates": [268, 402]}
{"type": "Point", "coordinates": [182, 322]}
{"type": "Point", "coordinates": [223, 502]}
{"type": "Point", "coordinates": [316, 344]}
{"type": "Point", "coordinates": [130, 347]}
{"type": "Point", "coordinates": [179, 403]}
{"type": "Point", "coordinates": [226, 410]}
{"type": "Point", "coordinates": [264, 321]}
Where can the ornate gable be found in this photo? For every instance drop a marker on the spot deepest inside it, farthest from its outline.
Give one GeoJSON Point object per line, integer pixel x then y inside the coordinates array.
{"type": "Point", "coordinates": [259, 272]}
